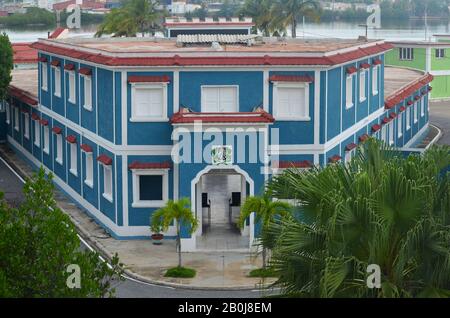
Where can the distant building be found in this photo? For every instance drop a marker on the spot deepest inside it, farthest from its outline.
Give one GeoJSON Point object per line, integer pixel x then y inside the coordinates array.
{"type": "Point", "coordinates": [175, 26]}
{"type": "Point", "coordinates": [85, 5]}
{"type": "Point", "coordinates": [429, 56]}
{"type": "Point", "coordinates": [25, 57]}
{"type": "Point", "coordinates": [181, 7]}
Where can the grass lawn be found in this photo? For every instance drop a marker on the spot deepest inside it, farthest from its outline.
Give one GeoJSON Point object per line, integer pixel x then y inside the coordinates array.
{"type": "Point", "coordinates": [261, 272]}
{"type": "Point", "coordinates": [180, 272]}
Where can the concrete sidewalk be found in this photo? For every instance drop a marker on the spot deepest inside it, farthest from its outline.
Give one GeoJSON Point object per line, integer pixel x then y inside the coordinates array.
{"type": "Point", "coordinates": [147, 262]}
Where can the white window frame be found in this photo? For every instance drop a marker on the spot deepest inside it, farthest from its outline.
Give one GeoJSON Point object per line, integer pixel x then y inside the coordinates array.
{"type": "Point", "coordinates": [362, 85]}
{"type": "Point", "coordinates": [203, 87]}
{"type": "Point", "coordinates": [349, 154]}
{"type": "Point", "coordinates": [137, 118]}
{"type": "Point", "coordinates": [89, 166]}
{"type": "Point", "coordinates": [37, 133]}
{"type": "Point", "coordinates": [59, 149]}
{"type": "Point", "coordinates": [107, 188]}
{"type": "Point", "coordinates": [276, 87]}
{"type": "Point", "coordinates": [57, 70]}
{"type": "Point", "coordinates": [416, 115]}
{"type": "Point", "coordinates": [16, 119]}
{"type": "Point", "coordinates": [400, 125]}
{"type": "Point", "coordinates": [375, 79]}
{"type": "Point", "coordinates": [391, 133]}
{"type": "Point", "coordinates": [384, 134]}
{"type": "Point", "coordinates": [406, 54]}
{"type": "Point", "coordinates": [72, 86]}
{"type": "Point", "coordinates": [87, 102]}
{"type": "Point", "coordinates": [8, 113]}
{"type": "Point", "coordinates": [46, 145]}
{"type": "Point", "coordinates": [408, 118]}
{"type": "Point", "coordinates": [26, 125]}
{"type": "Point", "coordinates": [44, 76]}
{"type": "Point", "coordinates": [137, 203]}
{"type": "Point", "coordinates": [73, 159]}
{"type": "Point", "coordinates": [439, 54]}
{"type": "Point", "coordinates": [422, 107]}
{"type": "Point", "coordinates": [349, 96]}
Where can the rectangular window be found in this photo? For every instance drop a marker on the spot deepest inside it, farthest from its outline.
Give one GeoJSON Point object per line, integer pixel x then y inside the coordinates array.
{"type": "Point", "coordinates": [349, 155]}
{"type": "Point", "coordinates": [406, 54]}
{"type": "Point", "coordinates": [8, 114]}
{"type": "Point", "coordinates": [71, 76]}
{"type": "Point", "coordinates": [89, 163]}
{"type": "Point", "coordinates": [400, 125]}
{"type": "Point", "coordinates": [59, 149]}
{"type": "Point", "coordinates": [422, 107]}
{"type": "Point", "coordinates": [362, 86]}
{"type": "Point", "coordinates": [391, 133]}
{"type": "Point", "coordinates": [384, 133]}
{"type": "Point", "coordinates": [440, 53]}
{"type": "Point", "coordinates": [44, 76]}
{"type": "Point", "coordinates": [87, 92]}
{"type": "Point", "coordinates": [73, 159]}
{"type": "Point", "coordinates": [37, 133]}
{"type": "Point", "coordinates": [16, 118]}
{"type": "Point", "coordinates": [291, 102]}
{"type": "Point", "coordinates": [150, 188]}
{"type": "Point", "coordinates": [107, 183]}
{"type": "Point", "coordinates": [349, 92]}
{"type": "Point", "coordinates": [415, 112]}
{"type": "Point", "coordinates": [375, 71]}
{"type": "Point", "coordinates": [408, 118]}
{"type": "Point", "coordinates": [57, 81]}
{"type": "Point", "coordinates": [223, 99]}
{"type": "Point", "coordinates": [26, 125]}
{"type": "Point", "coordinates": [46, 140]}
{"type": "Point", "coordinates": [149, 103]}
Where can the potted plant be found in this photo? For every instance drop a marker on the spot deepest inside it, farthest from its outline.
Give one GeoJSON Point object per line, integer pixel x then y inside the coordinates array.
{"type": "Point", "coordinates": [156, 230]}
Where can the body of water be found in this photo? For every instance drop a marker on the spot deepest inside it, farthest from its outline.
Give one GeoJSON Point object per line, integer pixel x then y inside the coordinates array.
{"type": "Point", "coordinates": [346, 30]}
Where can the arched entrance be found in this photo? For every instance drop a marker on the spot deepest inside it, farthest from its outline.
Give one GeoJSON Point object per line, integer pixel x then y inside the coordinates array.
{"type": "Point", "coordinates": [217, 194]}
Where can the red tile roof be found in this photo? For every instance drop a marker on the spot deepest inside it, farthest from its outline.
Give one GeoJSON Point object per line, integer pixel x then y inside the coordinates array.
{"type": "Point", "coordinates": [365, 65]}
{"type": "Point", "coordinates": [35, 116]}
{"type": "Point", "coordinates": [351, 146]}
{"type": "Point", "coordinates": [57, 130]}
{"type": "Point", "coordinates": [22, 95]}
{"type": "Point", "coordinates": [291, 78]}
{"type": "Point", "coordinates": [364, 137]}
{"type": "Point", "coordinates": [69, 67]}
{"type": "Point", "coordinates": [351, 70]}
{"type": "Point", "coordinates": [107, 59]}
{"type": "Point", "coordinates": [56, 63]}
{"type": "Point", "coordinates": [24, 53]}
{"type": "Point", "coordinates": [405, 92]}
{"type": "Point", "coordinates": [149, 165]}
{"type": "Point", "coordinates": [184, 117]}
{"type": "Point", "coordinates": [105, 160]}
{"type": "Point", "coordinates": [71, 139]}
{"type": "Point", "coordinates": [376, 128]}
{"type": "Point", "coordinates": [85, 71]}
{"type": "Point", "coordinates": [148, 79]}
{"type": "Point", "coordinates": [44, 122]}
{"type": "Point", "coordinates": [377, 62]}
{"type": "Point", "coordinates": [335, 159]}
{"type": "Point", "coordinates": [386, 120]}
{"type": "Point", "coordinates": [86, 148]}
{"type": "Point", "coordinates": [55, 34]}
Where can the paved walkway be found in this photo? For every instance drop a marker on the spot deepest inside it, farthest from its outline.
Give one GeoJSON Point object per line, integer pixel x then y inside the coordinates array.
{"type": "Point", "coordinates": [440, 116]}
{"type": "Point", "coordinates": [148, 262]}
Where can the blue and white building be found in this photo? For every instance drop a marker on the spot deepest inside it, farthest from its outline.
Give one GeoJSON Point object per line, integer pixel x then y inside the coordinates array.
{"type": "Point", "coordinates": [127, 124]}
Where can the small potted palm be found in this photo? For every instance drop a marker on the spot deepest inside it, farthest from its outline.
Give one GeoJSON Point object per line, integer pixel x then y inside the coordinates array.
{"type": "Point", "coordinates": [156, 230]}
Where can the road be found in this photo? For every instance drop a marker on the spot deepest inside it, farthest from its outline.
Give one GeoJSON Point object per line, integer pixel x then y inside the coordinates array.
{"type": "Point", "coordinates": [11, 184]}
{"type": "Point", "coordinates": [440, 117]}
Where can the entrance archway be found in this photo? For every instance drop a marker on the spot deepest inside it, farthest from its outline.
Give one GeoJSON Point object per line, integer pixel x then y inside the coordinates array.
{"type": "Point", "coordinates": [221, 232]}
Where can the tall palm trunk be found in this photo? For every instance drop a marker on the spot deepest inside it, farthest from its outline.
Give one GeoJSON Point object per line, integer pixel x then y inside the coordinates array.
{"type": "Point", "coordinates": [294, 28]}
{"type": "Point", "coordinates": [178, 244]}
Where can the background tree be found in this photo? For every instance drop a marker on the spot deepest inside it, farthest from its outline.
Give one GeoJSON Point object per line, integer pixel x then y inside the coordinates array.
{"type": "Point", "coordinates": [266, 211]}
{"type": "Point", "coordinates": [178, 212]}
{"type": "Point", "coordinates": [290, 12]}
{"type": "Point", "coordinates": [37, 244]}
{"type": "Point", "coordinates": [380, 209]}
{"type": "Point", "coordinates": [136, 16]}
{"type": "Point", "coordinates": [6, 64]}
{"type": "Point", "coordinates": [263, 16]}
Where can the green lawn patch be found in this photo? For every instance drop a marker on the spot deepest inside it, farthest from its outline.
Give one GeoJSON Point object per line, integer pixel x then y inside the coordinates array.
{"type": "Point", "coordinates": [262, 272]}
{"type": "Point", "coordinates": [181, 272]}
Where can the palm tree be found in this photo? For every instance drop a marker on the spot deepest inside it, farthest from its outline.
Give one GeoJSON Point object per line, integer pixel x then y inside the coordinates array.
{"type": "Point", "coordinates": [135, 16]}
{"type": "Point", "coordinates": [178, 212]}
{"type": "Point", "coordinates": [291, 11]}
{"type": "Point", "coordinates": [263, 16]}
{"type": "Point", "coordinates": [380, 209]}
{"type": "Point", "coordinates": [266, 211]}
